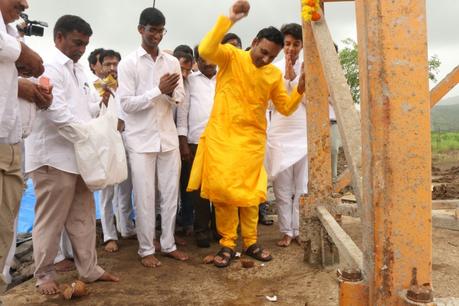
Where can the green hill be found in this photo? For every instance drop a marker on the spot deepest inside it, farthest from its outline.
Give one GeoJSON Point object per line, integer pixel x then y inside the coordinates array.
{"type": "Point", "coordinates": [445, 116]}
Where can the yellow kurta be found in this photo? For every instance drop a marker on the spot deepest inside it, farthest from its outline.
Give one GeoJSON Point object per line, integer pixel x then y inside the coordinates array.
{"type": "Point", "coordinates": [229, 162]}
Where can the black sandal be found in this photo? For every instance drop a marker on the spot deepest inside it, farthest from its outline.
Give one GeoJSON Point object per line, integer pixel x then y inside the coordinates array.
{"type": "Point", "coordinates": [227, 255]}
{"type": "Point", "coordinates": [255, 251]}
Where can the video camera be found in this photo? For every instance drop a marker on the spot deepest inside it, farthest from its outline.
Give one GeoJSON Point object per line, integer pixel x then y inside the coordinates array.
{"type": "Point", "coordinates": [31, 27]}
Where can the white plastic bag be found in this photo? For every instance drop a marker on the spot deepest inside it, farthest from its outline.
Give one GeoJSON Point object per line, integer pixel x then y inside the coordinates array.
{"type": "Point", "coordinates": [99, 149]}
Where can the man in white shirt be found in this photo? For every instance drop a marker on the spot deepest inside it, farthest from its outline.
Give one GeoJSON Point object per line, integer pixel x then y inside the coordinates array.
{"type": "Point", "coordinates": [115, 201]}
{"type": "Point", "coordinates": [94, 64]}
{"type": "Point", "coordinates": [185, 215]}
{"type": "Point", "coordinates": [287, 144]}
{"type": "Point", "coordinates": [15, 58]}
{"type": "Point", "coordinates": [191, 122]}
{"type": "Point", "coordinates": [63, 199]}
{"type": "Point", "coordinates": [149, 89]}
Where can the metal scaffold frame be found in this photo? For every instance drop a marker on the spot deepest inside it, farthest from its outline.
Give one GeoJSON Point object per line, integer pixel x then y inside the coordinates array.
{"type": "Point", "coordinates": [391, 176]}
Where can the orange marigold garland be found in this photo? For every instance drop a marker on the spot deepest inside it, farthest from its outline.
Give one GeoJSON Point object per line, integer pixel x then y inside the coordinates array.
{"type": "Point", "coordinates": [311, 10]}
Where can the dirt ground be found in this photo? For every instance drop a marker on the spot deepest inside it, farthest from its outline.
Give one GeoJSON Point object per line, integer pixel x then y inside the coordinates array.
{"type": "Point", "coordinates": [194, 283]}
{"type": "Point", "coordinates": [287, 277]}
{"type": "Point", "coordinates": [445, 176]}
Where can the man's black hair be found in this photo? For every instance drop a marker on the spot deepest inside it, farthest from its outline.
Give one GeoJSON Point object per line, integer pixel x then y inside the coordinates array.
{"type": "Point", "coordinates": [272, 34]}
{"type": "Point", "coordinates": [152, 16]}
{"type": "Point", "coordinates": [93, 57]}
{"type": "Point", "coordinates": [184, 49]}
{"type": "Point", "coordinates": [109, 53]}
{"type": "Point", "coordinates": [231, 36]}
{"type": "Point", "coordinates": [187, 56]}
{"type": "Point", "coordinates": [70, 23]}
{"type": "Point", "coordinates": [293, 29]}
{"type": "Point", "coordinates": [196, 52]}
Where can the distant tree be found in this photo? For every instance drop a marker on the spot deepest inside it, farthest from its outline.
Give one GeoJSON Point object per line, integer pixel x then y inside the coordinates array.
{"type": "Point", "coordinates": [350, 62]}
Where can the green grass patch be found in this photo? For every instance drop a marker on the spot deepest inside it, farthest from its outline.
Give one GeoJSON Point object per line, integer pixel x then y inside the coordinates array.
{"type": "Point", "coordinates": [444, 141]}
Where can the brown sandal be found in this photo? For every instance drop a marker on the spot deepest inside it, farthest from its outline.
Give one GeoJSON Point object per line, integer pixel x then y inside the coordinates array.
{"type": "Point", "coordinates": [255, 251]}
{"type": "Point", "coordinates": [227, 255]}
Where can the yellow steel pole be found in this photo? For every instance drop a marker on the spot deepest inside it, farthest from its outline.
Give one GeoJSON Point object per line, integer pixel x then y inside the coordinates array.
{"type": "Point", "coordinates": [397, 158]}
{"type": "Point", "coordinates": [320, 178]}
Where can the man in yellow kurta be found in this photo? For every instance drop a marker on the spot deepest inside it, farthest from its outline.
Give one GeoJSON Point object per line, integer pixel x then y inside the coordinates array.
{"type": "Point", "coordinates": [228, 166]}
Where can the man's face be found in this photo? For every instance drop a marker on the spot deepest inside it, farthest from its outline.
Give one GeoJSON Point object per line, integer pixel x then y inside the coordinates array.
{"type": "Point", "coordinates": [72, 44]}
{"type": "Point", "coordinates": [151, 35]}
{"type": "Point", "coordinates": [110, 66]}
{"type": "Point", "coordinates": [97, 67]}
{"type": "Point", "coordinates": [206, 68]}
{"type": "Point", "coordinates": [292, 47]}
{"type": "Point", "coordinates": [12, 8]}
{"type": "Point", "coordinates": [186, 67]}
{"type": "Point", "coordinates": [234, 42]}
{"type": "Point", "coordinates": [263, 52]}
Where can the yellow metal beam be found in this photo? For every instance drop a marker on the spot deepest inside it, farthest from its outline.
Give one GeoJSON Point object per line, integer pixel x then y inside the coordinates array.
{"type": "Point", "coordinates": [319, 155]}
{"type": "Point", "coordinates": [395, 112]}
{"type": "Point", "coordinates": [444, 86]}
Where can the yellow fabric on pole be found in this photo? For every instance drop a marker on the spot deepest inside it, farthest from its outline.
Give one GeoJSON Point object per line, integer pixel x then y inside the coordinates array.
{"type": "Point", "coordinates": [229, 161]}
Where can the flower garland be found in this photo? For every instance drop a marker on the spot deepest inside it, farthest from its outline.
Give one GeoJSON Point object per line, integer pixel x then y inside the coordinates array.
{"type": "Point", "coordinates": [311, 9]}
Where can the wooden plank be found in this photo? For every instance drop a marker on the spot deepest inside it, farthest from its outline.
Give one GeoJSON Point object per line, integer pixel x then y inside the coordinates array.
{"type": "Point", "coordinates": [445, 204]}
{"type": "Point", "coordinates": [441, 220]}
{"type": "Point", "coordinates": [445, 85]}
{"type": "Point", "coordinates": [342, 181]}
{"type": "Point", "coordinates": [347, 116]}
{"type": "Point", "coordinates": [348, 209]}
{"type": "Point", "coordinates": [349, 252]}
{"type": "Point", "coordinates": [351, 209]}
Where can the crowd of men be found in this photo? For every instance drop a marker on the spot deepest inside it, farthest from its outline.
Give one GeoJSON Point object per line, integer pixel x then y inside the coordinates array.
{"type": "Point", "coordinates": [203, 129]}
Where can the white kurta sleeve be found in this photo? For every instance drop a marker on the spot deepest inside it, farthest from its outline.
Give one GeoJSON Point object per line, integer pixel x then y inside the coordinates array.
{"type": "Point", "coordinates": [58, 113]}
{"type": "Point", "coordinates": [10, 48]}
{"type": "Point", "coordinates": [130, 102]}
{"type": "Point", "coordinates": [182, 115]}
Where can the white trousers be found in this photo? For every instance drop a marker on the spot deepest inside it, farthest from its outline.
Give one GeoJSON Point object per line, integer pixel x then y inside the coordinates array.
{"type": "Point", "coordinates": [65, 248]}
{"type": "Point", "coordinates": [335, 145]}
{"type": "Point", "coordinates": [10, 257]}
{"type": "Point", "coordinates": [146, 168]}
{"type": "Point", "coordinates": [288, 186]}
{"type": "Point", "coordinates": [116, 201]}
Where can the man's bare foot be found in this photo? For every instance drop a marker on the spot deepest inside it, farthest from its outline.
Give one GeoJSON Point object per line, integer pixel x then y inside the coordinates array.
{"type": "Point", "coordinates": [157, 244]}
{"type": "Point", "coordinates": [65, 265]}
{"type": "Point", "coordinates": [179, 241]}
{"type": "Point", "coordinates": [49, 288]}
{"type": "Point", "coordinates": [111, 246]}
{"type": "Point", "coordinates": [177, 255]}
{"type": "Point", "coordinates": [107, 277]}
{"type": "Point", "coordinates": [150, 261]}
{"type": "Point", "coordinates": [285, 241]}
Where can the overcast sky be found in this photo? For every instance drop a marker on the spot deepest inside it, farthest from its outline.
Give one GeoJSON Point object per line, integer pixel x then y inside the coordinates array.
{"type": "Point", "coordinates": [114, 23]}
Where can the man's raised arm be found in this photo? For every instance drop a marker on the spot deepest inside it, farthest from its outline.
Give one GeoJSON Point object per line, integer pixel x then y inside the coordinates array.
{"type": "Point", "coordinates": [210, 47]}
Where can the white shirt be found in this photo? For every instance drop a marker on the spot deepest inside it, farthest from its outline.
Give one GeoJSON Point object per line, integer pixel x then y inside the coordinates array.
{"type": "Point", "coordinates": [10, 49]}
{"type": "Point", "coordinates": [72, 99]}
{"type": "Point", "coordinates": [287, 136]}
{"type": "Point", "coordinates": [197, 106]}
{"type": "Point", "coordinates": [148, 114]}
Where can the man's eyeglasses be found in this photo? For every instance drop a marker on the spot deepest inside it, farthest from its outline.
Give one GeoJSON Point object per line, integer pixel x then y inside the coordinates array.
{"type": "Point", "coordinates": [154, 30]}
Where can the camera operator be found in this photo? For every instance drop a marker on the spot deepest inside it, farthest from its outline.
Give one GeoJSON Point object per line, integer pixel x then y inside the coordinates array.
{"type": "Point", "coordinates": [16, 58]}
